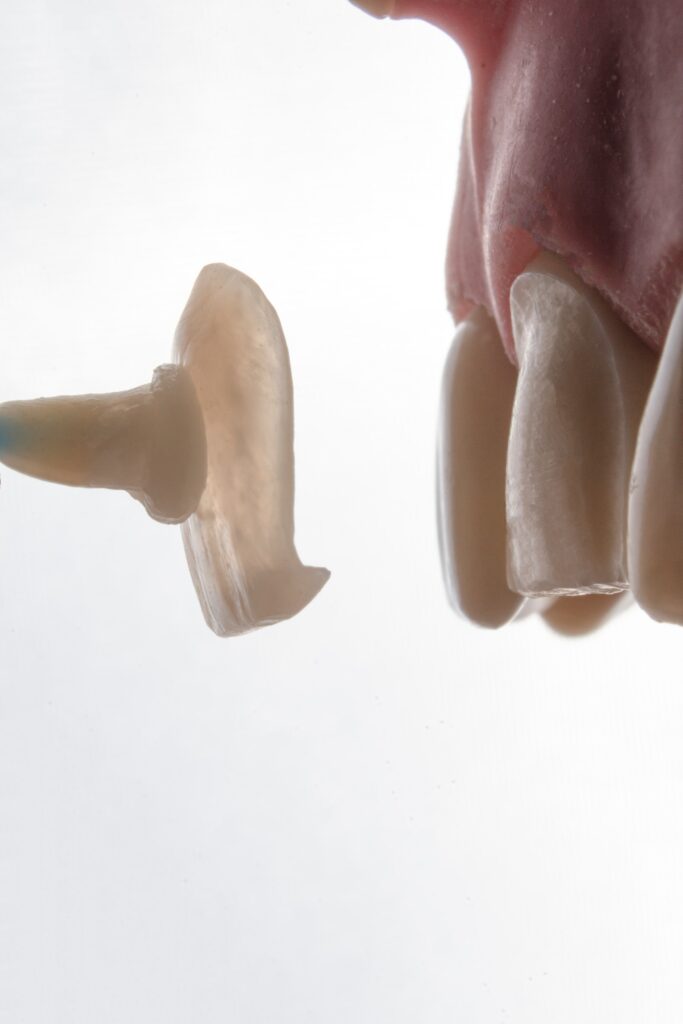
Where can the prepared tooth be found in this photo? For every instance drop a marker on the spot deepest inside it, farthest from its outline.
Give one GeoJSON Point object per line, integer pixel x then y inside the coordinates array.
{"type": "Point", "coordinates": [474, 422]}
{"type": "Point", "coordinates": [655, 540]}
{"type": "Point", "coordinates": [240, 541]}
{"type": "Point", "coordinates": [582, 385]}
{"type": "Point", "coordinates": [148, 441]}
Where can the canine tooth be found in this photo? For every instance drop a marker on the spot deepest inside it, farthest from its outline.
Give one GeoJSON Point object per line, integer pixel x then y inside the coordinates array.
{"type": "Point", "coordinates": [655, 542]}
{"type": "Point", "coordinates": [581, 389]}
{"type": "Point", "coordinates": [240, 541]}
{"type": "Point", "coordinates": [476, 404]}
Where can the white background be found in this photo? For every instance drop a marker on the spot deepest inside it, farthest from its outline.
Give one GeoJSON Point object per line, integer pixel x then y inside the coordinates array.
{"type": "Point", "coordinates": [374, 812]}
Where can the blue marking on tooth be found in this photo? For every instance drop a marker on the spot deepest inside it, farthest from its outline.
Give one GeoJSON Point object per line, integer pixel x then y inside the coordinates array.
{"type": "Point", "coordinates": [10, 435]}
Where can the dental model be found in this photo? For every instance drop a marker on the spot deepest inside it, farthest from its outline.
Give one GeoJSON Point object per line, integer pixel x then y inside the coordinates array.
{"type": "Point", "coordinates": [209, 444]}
{"type": "Point", "coordinates": [560, 462]}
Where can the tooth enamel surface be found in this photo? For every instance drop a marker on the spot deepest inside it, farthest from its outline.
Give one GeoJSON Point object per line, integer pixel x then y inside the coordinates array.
{"type": "Point", "coordinates": [655, 547]}
{"type": "Point", "coordinates": [240, 541]}
{"type": "Point", "coordinates": [582, 385]}
{"type": "Point", "coordinates": [578, 616]}
{"type": "Point", "coordinates": [476, 405]}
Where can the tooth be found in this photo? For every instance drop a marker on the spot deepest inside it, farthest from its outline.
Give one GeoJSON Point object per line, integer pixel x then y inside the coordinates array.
{"type": "Point", "coordinates": [148, 441]}
{"type": "Point", "coordinates": [476, 404]}
{"type": "Point", "coordinates": [377, 8]}
{"type": "Point", "coordinates": [532, 606]}
{"type": "Point", "coordinates": [240, 541]}
{"type": "Point", "coordinates": [655, 543]}
{"type": "Point", "coordinates": [577, 616]}
{"type": "Point", "coordinates": [582, 385]}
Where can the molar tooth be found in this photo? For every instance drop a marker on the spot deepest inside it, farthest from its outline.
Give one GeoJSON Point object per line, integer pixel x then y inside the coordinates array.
{"type": "Point", "coordinates": [581, 389]}
{"type": "Point", "coordinates": [655, 526]}
{"type": "Point", "coordinates": [476, 404]}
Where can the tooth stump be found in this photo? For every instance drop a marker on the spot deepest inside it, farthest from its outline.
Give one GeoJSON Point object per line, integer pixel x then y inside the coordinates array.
{"type": "Point", "coordinates": [209, 444]}
{"type": "Point", "coordinates": [582, 386]}
{"type": "Point", "coordinates": [477, 393]}
{"type": "Point", "coordinates": [656, 503]}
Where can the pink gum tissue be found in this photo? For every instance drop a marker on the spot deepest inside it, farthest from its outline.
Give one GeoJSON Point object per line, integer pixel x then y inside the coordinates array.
{"type": "Point", "coordinates": [572, 143]}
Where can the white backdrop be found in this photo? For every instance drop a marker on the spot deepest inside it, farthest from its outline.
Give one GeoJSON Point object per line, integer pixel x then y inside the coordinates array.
{"type": "Point", "coordinates": [374, 812]}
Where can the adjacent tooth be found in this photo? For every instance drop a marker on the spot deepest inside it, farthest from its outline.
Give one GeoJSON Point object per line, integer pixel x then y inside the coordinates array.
{"type": "Point", "coordinates": [476, 404]}
{"type": "Point", "coordinates": [655, 544]}
{"type": "Point", "coordinates": [240, 541]}
{"type": "Point", "coordinates": [578, 616]}
{"type": "Point", "coordinates": [533, 606]}
{"type": "Point", "coordinates": [582, 385]}
{"type": "Point", "coordinates": [377, 8]}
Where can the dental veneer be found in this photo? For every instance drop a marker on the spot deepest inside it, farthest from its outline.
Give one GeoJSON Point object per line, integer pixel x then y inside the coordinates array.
{"type": "Point", "coordinates": [209, 444]}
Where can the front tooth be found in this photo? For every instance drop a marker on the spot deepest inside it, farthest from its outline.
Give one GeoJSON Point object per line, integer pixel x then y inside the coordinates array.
{"type": "Point", "coordinates": [476, 404]}
{"type": "Point", "coordinates": [582, 385]}
{"type": "Point", "coordinates": [655, 543]}
{"type": "Point", "coordinates": [578, 616]}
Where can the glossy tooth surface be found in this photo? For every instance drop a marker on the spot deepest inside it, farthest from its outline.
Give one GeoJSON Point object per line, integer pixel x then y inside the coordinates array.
{"type": "Point", "coordinates": [477, 393]}
{"type": "Point", "coordinates": [655, 546]}
{"type": "Point", "coordinates": [582, 385]}
{"type": "Point", "coordinates": [240, 541]}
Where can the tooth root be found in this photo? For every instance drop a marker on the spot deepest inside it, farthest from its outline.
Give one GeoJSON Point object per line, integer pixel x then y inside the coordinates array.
{"type": "Point", "coordinates": [149, 441]}
{"type": "Point", "coordinates": [578, 616]}
{"type": "Point", "coordinates": [655, 543]}
{"type": "Point", "coordinates": [582, 385]}
{"type": "Point", "coordinates": [476, 404]}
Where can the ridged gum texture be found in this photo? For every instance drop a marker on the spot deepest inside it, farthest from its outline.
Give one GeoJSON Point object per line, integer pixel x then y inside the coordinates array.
{"type": "Point", "coordinates": [573, 143]}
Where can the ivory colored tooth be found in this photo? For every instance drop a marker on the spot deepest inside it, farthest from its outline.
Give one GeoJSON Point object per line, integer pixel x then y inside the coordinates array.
{"type": "Point", "coordinates": [534, 606]}
{"type": "Point", "coordinates": [582, 385]}
{"type": "Point", "coordinates": [240, 541]}
{"type": "Point", "coordinates": [148, 441]}
{"type": "Point", "coordinates": [477, 392]}
{"type": "Point", "coordinates": [578, 616]}
{"type": "Point", "coordinates": [655, 541]}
